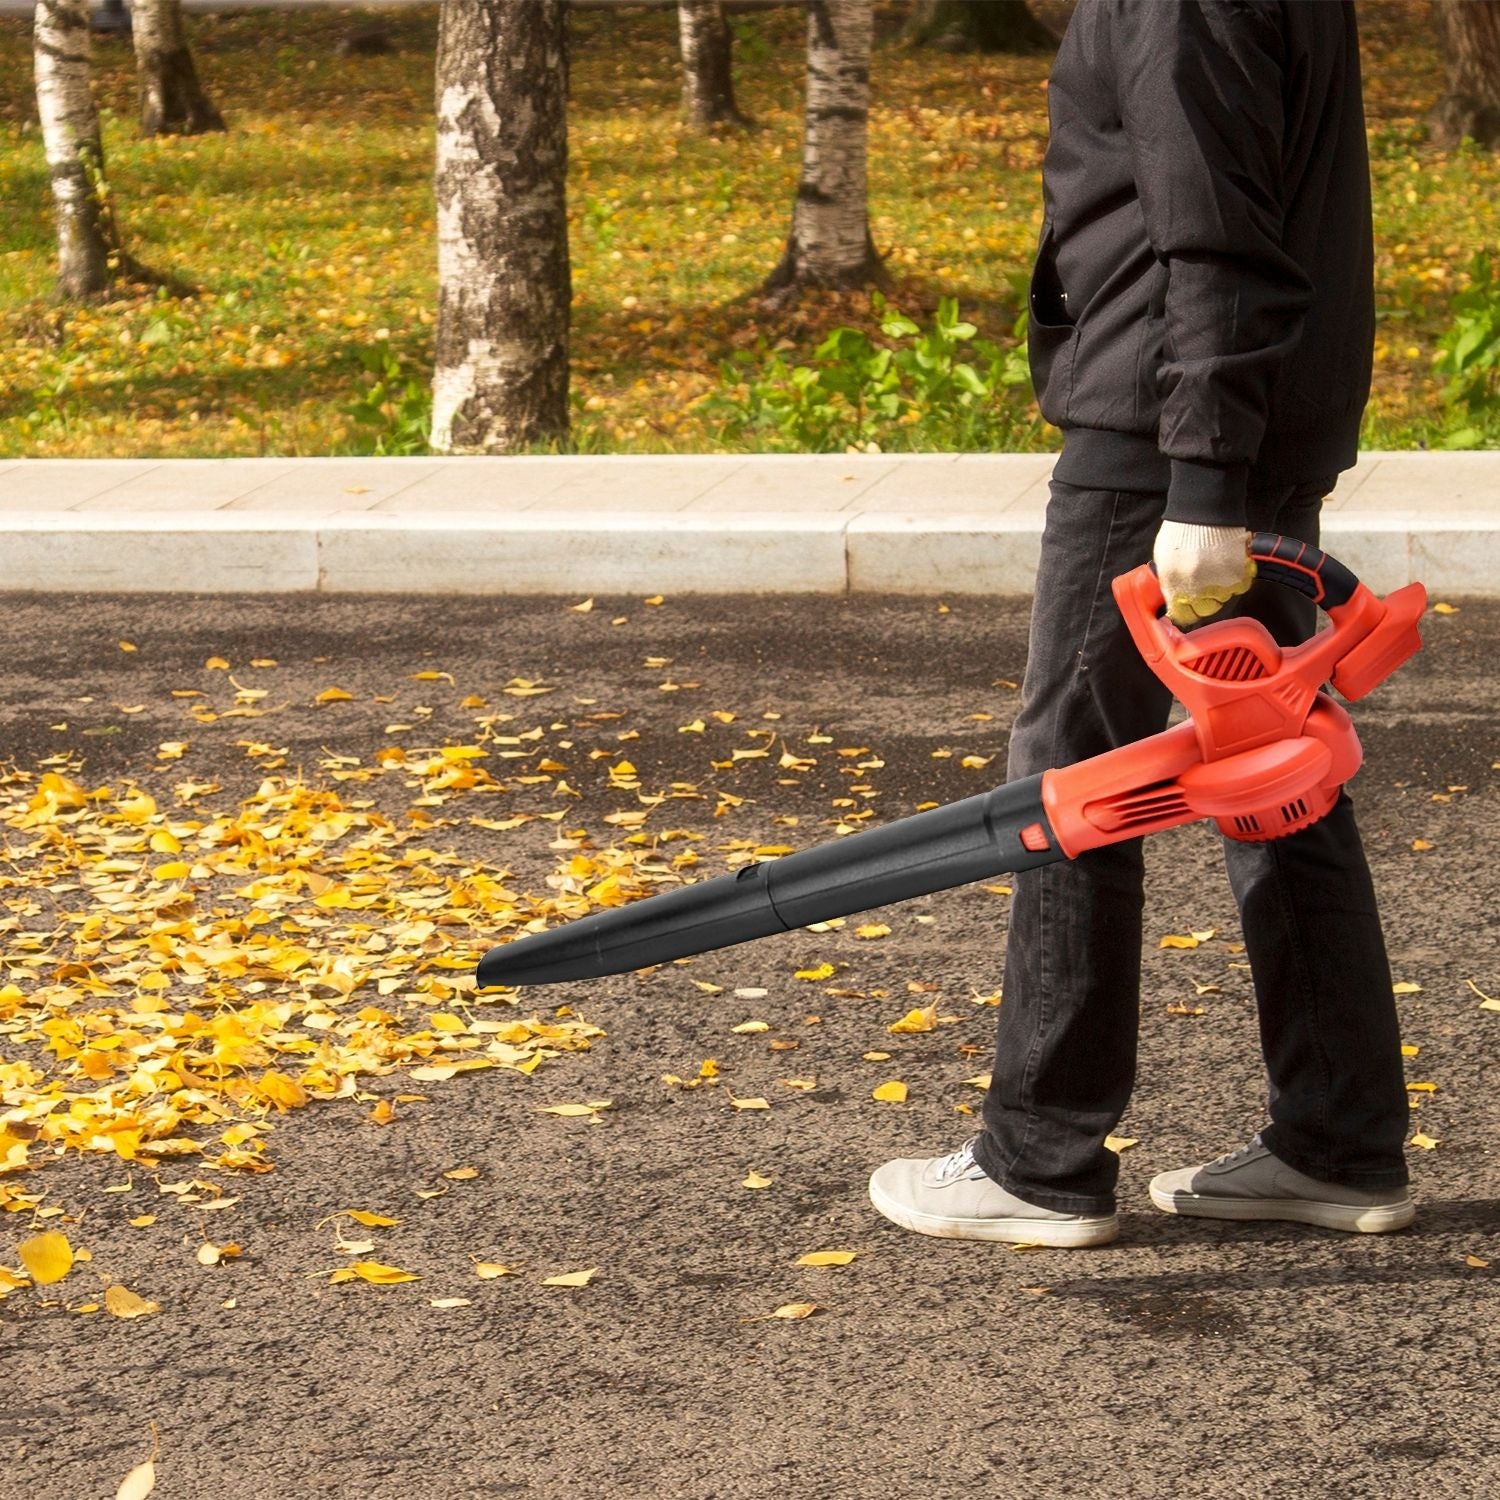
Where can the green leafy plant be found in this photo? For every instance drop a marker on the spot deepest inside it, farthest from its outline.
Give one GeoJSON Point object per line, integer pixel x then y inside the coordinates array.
{"type": "Point", "coordinates": [1469, 355]}
{"type": "Point", "coordinates": [393, 413]}
{"type": "Point", "coordinates": [936, 388]}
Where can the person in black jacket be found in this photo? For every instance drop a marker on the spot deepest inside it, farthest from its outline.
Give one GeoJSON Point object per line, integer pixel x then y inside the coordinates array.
{"type": "Point", "coordinates": [1201, 329]}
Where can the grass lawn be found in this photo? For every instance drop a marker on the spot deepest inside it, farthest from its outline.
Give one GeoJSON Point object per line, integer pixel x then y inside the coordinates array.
{"type": "Point", "coordinates": [308, 231]}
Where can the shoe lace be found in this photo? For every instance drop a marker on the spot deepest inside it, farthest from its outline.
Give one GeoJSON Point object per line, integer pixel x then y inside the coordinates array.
{"type": "Point", "coordinates": [956, 1163]}
{"type": "Point", "coordinates": [1239, 1152]}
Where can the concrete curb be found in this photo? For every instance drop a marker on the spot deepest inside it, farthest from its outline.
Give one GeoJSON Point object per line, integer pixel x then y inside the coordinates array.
{"type": "Point", "coordinates": [935, 524]}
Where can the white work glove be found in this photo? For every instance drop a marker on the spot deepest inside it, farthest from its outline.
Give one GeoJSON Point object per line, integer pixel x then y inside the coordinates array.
{"type": "Point", "coordinates": [1201, 568]}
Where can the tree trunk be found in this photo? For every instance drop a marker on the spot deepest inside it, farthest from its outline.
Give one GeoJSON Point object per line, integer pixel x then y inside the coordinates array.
{"type": "Point", "coordinates": [830, 243]}
{"type": "Point", "coordinates": [707, 54]}
{"type": "Point", "coordinates": [172, 99]}
{"type": "Point", "coordinates": [89, 256]}
{"type": "Point", "coordinates": [504, 283]}
{"type": "Point", "coordinates": [1471, 48]}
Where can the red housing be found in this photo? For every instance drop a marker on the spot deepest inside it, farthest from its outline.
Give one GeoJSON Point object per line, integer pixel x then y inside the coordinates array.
{"type": "Point", "coordinates": [1263, 752]}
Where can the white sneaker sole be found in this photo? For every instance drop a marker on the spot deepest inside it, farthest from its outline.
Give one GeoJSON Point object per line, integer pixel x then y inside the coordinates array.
{"type": "Point", "coordinates": [1378, 1218]}
{"type": "Point", "coordinates": [1067, 1234]}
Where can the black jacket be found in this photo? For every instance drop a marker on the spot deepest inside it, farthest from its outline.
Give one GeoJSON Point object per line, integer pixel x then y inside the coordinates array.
{"type": "Point", "coordinates": [1202, 310]}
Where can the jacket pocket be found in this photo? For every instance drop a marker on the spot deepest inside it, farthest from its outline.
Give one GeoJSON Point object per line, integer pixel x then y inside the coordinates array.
{"type": "Point", "coordinates": [1052, 338]}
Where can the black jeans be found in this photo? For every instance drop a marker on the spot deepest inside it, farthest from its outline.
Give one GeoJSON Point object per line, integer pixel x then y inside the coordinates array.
{"type": "Point", "coordinates": [1065, 1052]}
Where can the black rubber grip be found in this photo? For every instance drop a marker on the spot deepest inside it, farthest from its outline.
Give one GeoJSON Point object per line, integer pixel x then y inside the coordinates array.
{"type": "Point", "coordinates": [1301, 566]}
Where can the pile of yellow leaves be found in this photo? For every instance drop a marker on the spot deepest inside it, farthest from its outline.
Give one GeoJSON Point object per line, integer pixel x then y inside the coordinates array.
{"type": "Point", "coordinates": [171, 977]}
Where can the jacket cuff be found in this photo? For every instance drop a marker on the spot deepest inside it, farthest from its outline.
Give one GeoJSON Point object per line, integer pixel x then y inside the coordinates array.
{"type": "Point", "coordinates": [1207, 494]}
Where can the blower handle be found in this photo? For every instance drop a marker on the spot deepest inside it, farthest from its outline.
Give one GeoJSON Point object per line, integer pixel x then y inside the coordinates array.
{"type": "Point", "coordinates": [1301, 566]}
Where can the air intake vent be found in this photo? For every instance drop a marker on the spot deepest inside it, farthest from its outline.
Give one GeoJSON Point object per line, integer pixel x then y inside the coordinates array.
{"type": "Point", "coordinates": [1158, 805]}
{"type": "Point", "coordinates": [1294, 812]}
{"type": "Point", "coordinates": [1236, 664]}
{"type": "Point", "coordinates": [1247, 824]}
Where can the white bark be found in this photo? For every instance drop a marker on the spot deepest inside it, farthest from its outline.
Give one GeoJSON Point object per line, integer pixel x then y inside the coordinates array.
{"type": "Point", "coordinates": [172, 99]}
{"type": "Point", "coordinates": [707, 63]}
{"type": "Point", "coordinates": [830, 242]}
{"type": "Point", "coordinates": [75, 156]}
{"type": "Point", "coordinates": [504, 286]}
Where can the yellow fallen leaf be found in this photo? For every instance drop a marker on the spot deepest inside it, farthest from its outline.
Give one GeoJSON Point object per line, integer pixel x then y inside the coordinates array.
{"type": "Point", "coordinates": [1180, 940]}
{"type": "Point", "coordinates": [875, 1056]}
{"type": "Point", "coordinates": [380, 1275]}
{"type": "Point", "coordinates": [1445, 609]}
{"type": "Point", "coordinates": [369, 1220]}
{"type": "Point", "coordinates": [124, 1303]}
{"type": "Point", "coordinates": [216, 664]}
{"type": "Point", "coordinates": [979, 1080]}
{"type": "Point", "coordinates": [174, 869]}
{"type": "Point", "coordinates": [573, 1278]}
{"type": "Point", "coordinates": [872, 930]}
{"type": "Point", "coordinates": [709, 989]}
{"type": "Point", "coordinates": [826, 1258]}
{"type": "Point", "coordinates": [1421, 845]}
{"type": "Point", "coordinates": [573, 1111]}
{"type": "Point", "coordinates": [748, 1028]}
{"type": "Point", "coordinates": [492, 1270]}
{"type": "Point", "coordinates": [1408, 1049]}
{"type": "Point", "coordinates": [140, 1481]}
{"type": "Point", "coordinates": [1406, 987]}
{"type": "Point", "coordinates": [1424, 1142]}
{"type": "Point", "coordinates": [47, 1257]}
{"type": "Point", "coordinates": [794, 1310]}
{"type": "Point", "coordinates": [1421, 1088]}
{"type": "Point", "coordinates": [462, 1174]}
{"type": "Point", "coordinates": [756, 1103]}
{"type": "Point", "coordinates": [893, 1092]}
{"type": "Point", "coordinates": [1486, 1002]}
{"type": "Point", "coordinates": [1000, 890]}
{"type": "Point", "coordinates": [334, 695]}
{"type": "Point", "coordinates": [127, 646]}
{"type": "Point", "coordinates": [383, 1113]}
{"type": "Point", "coordinates": [142, 1221]}
{"type": "Point", "coordinates": [1118, 1143]}
{"type": "Point", "coordinates": [1021, 1246]}
{"type": "Point", "coordinates": [584, 608]}
{"type": "Point", "coordinates": [822, 971]}
{"type": "Point", "coordinates": [924, 1018]}
{"type": "Point", "coordinates": [449, 1302]}
{"type": "Point", "coordinates": [1477, 1262]}
{"type": "Point", "coordinates": [755, 1180]}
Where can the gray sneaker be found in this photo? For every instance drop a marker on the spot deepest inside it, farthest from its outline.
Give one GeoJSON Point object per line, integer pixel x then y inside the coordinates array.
{"type": "Point", "coordinates": [950, 1196]}
{"type": "Point", "coordinates": [1250, 1183]}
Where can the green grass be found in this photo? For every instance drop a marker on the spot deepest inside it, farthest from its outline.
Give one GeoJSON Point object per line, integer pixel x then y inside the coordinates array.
{"type": "Point", "coordinates": [308, 230]}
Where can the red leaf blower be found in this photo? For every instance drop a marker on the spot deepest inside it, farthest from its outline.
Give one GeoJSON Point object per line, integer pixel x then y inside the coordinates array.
{"type": "Point", "coordinates": [1263, 753]}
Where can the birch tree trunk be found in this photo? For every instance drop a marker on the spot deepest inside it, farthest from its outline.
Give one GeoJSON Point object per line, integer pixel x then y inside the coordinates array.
{"type": "Point", "coordinates": [504, 282]}
{"type": "Point", "coordinates": [830, 243]}
{"type": "Point", "coordinates": [172, 99]}
{"type": "Point", "coordinates": [1471, 49]}
{"type": "Point", "coordinates": [89, 256]}
{"type": "Point", "coordinates": [707, 58]}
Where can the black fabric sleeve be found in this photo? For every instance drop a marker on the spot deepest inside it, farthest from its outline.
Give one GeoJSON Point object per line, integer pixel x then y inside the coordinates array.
{"type": "Point", "coordinates": [1201, 102]}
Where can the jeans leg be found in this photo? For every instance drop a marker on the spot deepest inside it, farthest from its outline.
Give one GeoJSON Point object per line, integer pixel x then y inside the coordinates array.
{"type": "Point", "coordinates": [1065, 1046]}
{"type": "Point", "coordinates": [1328, 1022]}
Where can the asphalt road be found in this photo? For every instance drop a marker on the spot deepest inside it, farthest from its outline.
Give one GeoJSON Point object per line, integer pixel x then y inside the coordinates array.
{"type": "Point", "coordinates": [1190, 1358]}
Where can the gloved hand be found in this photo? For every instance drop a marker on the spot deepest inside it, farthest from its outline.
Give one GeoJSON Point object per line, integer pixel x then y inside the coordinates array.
{"type": "Point", "coordinates": [1201, 568]}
